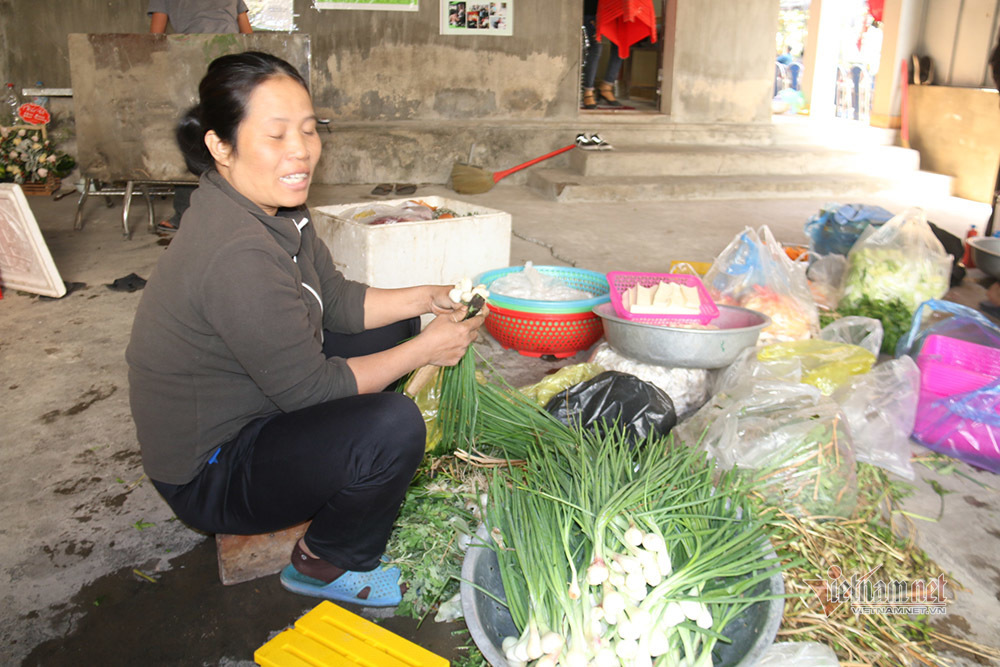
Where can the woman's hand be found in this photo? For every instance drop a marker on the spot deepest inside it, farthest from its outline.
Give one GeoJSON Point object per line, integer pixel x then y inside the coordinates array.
{"type": "Point", "coordinates": [441, 303]}
{"type": "Point", "coordinates": [448, 336]}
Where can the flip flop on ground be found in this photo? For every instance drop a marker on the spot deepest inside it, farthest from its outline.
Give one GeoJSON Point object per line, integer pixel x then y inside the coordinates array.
{"type": "Point", "coordinates": [378, 588]}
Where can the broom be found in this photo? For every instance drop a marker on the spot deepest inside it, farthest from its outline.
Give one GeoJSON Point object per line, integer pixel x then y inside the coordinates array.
{"type": "Point", "coordinates": [469, 180]}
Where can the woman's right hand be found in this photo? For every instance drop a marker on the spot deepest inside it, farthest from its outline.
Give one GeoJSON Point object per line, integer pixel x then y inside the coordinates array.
{"type": "Point", "coordinates": [447, 336]}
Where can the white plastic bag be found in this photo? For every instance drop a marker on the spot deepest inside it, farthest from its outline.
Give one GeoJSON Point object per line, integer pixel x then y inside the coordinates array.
{"type": "Point", "coordinates": [791, 436]}
{"type": "Point", "coordinates": [799, 654]}
{"type": "Point", "coordinates": [686, 387]}
{"type": "Point", "coordinates": [881, 409]}
{"type": "Point", "coordinates": [755, 272]}
{"type": "Point", "coordinates": [900, 261]}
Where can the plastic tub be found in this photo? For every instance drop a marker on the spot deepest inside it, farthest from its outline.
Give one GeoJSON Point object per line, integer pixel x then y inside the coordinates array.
{"type": "Point", "coordinates": [951, 366]}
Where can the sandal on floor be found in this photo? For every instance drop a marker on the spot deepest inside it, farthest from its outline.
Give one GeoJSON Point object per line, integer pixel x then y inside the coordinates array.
{"type": "Point", "coordinates": [166, 227]}
{"type": "Point", "coordinates": [382, 189]}
{"type": "Point", "coordinates": [382, 584]}
{"type": "Point", "coordinates": [405, 188]}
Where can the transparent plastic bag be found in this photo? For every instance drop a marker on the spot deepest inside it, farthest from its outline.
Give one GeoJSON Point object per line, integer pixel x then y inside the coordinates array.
{"type": "Point", "coordinates": [901, 260]}
{"type": "Point", "coordinates": [799, 654]}
{"type": "Point", "coordinates": [881, 410]}
{"type": "Point", "coordinates": [530, 283]}
{"type": "Point", "coordinates": [427, 399]}
{"type": "Point", "coordinates": [792, 437]}
{"type": "Point", "coordinates": [947, 318]}
{"type": "Point", "coordinates": [855, 330]}
{"type": "Point", "coordinates": [383, 214]}
{"type": "Point", "coordinates": [687, 387]}
{"type": "Point", "coordinates": [963, 426]}
{"type": "Point", "coordinates": [754, 272]}
{"type": "Point", "coordinates": [823, 364]}
{"type": "Point", "coordinates": [826, 279]}
{"type": "Point", "coordinates": [542, 391]}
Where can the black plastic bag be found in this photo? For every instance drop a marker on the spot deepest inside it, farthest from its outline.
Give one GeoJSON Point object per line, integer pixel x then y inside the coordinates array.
{"type": "Point", "coordinates": [638, 407]}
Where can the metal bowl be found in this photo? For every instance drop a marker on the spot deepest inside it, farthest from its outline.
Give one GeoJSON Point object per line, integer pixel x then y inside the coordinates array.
{"type": "Point", "coordinates": [737, 329]}
{"type": "Point", "coordinates": [489, 621]}
{"type": "Point", "coordinates": [986, 254]}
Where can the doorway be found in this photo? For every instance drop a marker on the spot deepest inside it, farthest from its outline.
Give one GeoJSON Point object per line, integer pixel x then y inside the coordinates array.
{"type": "Point", "coordinates": [637, 86]}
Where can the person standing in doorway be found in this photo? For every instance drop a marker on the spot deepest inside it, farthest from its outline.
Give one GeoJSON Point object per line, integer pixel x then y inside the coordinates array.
{"type": "Point", "coordinates": [605, 90]}
{"type": "Point", "coordinates": [195, 17]}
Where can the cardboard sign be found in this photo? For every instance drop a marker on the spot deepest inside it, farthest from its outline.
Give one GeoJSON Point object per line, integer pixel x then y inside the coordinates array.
{"type": "Point", "coordinates": [34, 114]}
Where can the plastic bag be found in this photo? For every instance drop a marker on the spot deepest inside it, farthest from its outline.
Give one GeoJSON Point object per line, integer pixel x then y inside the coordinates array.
{"type": "Point", "coordinates": [542, 391]}
{"type": "Point", "coordinates": [950, 319]}
{"type": "Point", "coordinates": [964, 426]}
{"type": "Point", "coordinates": [792, 436]}
{"type": "Point", "coordinates": [826, 279]}
{"type": "Point", "coordinates": [881, 410]}
{"type": "Point", "coordinates": [381, 214]}
{"type": "Point", "coordinates": [428, 399]}
{"type": "Point", "coordinates": [611, 398]}
{"type": "Point", "coordinates": [799, 654]}
{"type": "Point", "coordinates": [823, 364]}
{"type": "Point", "coordinates": [754, 272]}
{"type": "Point", "coordinates": [530, 283]}
{"type": "Point", "coordinates": [855, 330]}
{"type": "Point", "coordinates": [836, 228]}
{"type": "Point", "coordinates": [687, 387]}
{"type": "Point", "coordinates": [901, 260]}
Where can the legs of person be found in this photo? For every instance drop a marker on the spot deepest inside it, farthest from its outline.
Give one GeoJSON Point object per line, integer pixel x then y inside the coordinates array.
{"type": "Point", "coordinates": [590, 62]}
{"type": "Point", "coordinates": [606, 88]}
{"type": "Point", "coordinates": [182, 199]}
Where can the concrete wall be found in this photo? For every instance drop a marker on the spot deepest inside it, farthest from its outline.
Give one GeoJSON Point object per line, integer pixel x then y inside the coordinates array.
{"type": "Point", "coordinates": [407, 102]}
{"type": "Point", "coordinates": [957, 131]}
{"type": "Point", "coordinates": [722, 59]}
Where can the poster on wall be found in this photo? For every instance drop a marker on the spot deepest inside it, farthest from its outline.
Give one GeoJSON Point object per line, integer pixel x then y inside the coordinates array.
{"type": "Point", "coordinates": [463, 17]}
{"type": "Point", "coordinates": [396, 5]}
{"type": "Point", "coordinates": [25, 261]}
{"type": "Point", "coordinates": [271, 15]}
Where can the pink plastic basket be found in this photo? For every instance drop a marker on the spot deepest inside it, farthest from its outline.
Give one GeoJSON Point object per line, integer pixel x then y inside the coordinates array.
{"type": "Point", "coordinates": [950, 366]}
{"type": "Point", "coordinates": [620, 281]}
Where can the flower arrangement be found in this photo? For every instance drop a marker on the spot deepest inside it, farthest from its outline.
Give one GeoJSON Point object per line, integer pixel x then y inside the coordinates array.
{"type": "Point", "coordinates": [25, 157]}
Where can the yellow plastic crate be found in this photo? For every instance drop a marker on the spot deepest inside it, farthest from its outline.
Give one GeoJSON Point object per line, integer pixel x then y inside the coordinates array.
{"type": "Point", "coordinates": [331, 636]}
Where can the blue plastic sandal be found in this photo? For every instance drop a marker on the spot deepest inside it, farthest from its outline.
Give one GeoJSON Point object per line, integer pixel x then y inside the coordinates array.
{"type": "Point", "coordinates": [382, 582]}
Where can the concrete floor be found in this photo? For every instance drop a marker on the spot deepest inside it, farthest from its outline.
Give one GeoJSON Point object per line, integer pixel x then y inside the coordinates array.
{"type": "Point", "coordinates": [79, 519]}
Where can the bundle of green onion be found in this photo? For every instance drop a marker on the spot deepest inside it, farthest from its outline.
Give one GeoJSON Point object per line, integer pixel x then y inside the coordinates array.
{"type": "Point", "coordinates": [613, 554]}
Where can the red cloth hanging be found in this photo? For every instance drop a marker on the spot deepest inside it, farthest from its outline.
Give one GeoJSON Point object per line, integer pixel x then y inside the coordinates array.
{"type": "Point", "coordinates": [875, 8]}
{"type": "Point", "coordinates": [626, 22]}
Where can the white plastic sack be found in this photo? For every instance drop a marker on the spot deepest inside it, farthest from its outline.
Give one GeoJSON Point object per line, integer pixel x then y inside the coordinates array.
{"type": "Point", "coordinates": [799, 654]}
{"type": "Point", "coordinates": [686, 387]}
{"type": "Point", "coordinates": [530, 283]}
{"type": "Point", "coordinates": [881, 409]}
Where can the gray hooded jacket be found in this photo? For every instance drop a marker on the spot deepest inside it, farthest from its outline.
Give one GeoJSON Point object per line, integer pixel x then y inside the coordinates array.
{"type": "Point", "coordinates": [230, 328]}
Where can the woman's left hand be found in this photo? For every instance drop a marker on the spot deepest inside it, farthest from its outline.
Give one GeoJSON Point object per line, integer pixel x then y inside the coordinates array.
{"type": "Point", "coordinates": [441, 303]}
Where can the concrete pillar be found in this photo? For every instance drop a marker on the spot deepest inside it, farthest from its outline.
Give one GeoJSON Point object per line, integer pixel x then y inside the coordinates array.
{"type": "Point", "coordinates": [719, 60]}
{"type": "Point", "coordinates": [901, 23]}
{"type": "Point", "coordinates": [826, 20]}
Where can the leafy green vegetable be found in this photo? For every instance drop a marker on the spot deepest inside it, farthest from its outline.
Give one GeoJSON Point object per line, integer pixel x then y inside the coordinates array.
{"type": "Point", "coordinates": [887, 274]}
{"type": "Point", "coordinates": [895, 316]}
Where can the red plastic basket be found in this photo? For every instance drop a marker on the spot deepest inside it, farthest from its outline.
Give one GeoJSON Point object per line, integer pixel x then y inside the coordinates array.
{"type": "Point", "coordinates": [620, 281]}
{"type": "Point", "coordinates": [537, 334]}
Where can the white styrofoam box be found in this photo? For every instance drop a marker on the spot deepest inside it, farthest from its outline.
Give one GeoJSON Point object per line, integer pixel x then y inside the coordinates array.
{"type": "Point", "coordinates": [425, 252]}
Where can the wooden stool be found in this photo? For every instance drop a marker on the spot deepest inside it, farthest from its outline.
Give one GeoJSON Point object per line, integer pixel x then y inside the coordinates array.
{"type": "Point", "coordinates": [246, 557]}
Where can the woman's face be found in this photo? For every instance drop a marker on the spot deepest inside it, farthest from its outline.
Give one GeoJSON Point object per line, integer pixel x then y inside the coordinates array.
{"type": "Point", "coordinates": [277, 147]}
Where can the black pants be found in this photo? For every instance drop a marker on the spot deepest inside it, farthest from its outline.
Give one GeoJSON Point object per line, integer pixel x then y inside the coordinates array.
{"type": "Point", "coordinates": [345, 464]}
